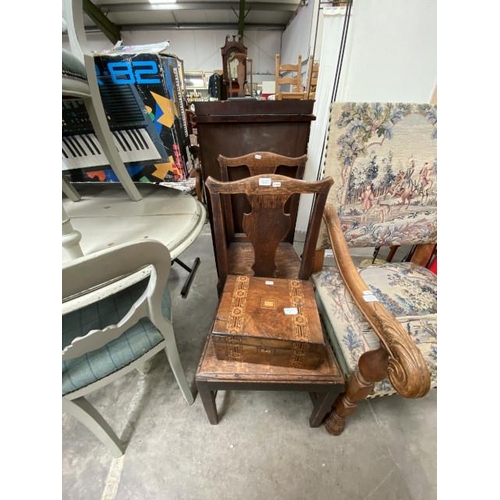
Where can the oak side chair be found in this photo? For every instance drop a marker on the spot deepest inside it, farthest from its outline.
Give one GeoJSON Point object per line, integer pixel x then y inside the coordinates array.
{"type": "Point", "coordinates": [253, 341]}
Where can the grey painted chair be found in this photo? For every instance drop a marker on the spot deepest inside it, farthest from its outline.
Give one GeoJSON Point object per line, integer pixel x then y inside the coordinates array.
{"type": "Point", "coordinates": [79, 80]}
{"type": "Point", "coordinates": [116, 316]}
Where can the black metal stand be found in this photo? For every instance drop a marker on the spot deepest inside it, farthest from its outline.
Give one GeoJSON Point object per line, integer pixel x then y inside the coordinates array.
{"type": "Point", "coordinates": [191, 271]}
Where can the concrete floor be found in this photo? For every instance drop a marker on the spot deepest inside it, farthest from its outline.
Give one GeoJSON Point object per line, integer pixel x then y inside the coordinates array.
{"type": "Point", "coordinates": [262, 448]}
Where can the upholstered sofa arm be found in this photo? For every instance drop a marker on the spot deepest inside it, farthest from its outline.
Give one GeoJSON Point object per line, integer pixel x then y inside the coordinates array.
{"type": "Point", "coordinates": [407, 369]}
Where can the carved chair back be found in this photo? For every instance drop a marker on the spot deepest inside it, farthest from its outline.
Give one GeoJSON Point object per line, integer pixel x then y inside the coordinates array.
{"type": "Point", "coordinates": [259, 162]}
{"type": "Point", "coordinates": [267, 223]}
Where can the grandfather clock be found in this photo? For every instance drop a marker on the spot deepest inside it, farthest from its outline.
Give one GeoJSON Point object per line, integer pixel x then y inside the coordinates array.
{"type": "Point", "coordinates": [234, 68]}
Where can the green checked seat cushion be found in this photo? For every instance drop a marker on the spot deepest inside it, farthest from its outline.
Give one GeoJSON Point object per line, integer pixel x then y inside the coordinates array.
{"type": "Point", "coordinates": [408, 291]}
{"type": "Point", "coordinates": [131, 345]}
{"type": "Point", "coordinates": [72, 67]}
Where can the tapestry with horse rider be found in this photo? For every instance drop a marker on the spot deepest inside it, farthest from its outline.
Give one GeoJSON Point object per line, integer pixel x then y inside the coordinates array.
{"type": "Point", "coordinates": [383, 159]}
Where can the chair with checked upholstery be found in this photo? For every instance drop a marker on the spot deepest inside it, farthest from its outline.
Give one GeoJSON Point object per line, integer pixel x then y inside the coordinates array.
{"type": "Point", "coordinates": [116, 315]}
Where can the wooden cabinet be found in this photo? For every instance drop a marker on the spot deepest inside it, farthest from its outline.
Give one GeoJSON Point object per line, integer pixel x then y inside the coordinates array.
{"type": "Point", "coordinates": [240, 126]}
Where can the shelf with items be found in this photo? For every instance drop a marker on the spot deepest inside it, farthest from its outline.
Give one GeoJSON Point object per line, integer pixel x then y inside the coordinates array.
{"type": "Point", "coordinates": [196, 85]}
{"type": "Point", "coordinates": [197, 94]}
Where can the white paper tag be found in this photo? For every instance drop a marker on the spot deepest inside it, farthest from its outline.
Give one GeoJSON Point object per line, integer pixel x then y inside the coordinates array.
{"type": "Point", "coordinates": [258, 157]}
{"type": "Point", "coordinates": [269, 282]}
{"type": "Point", "coordinates": [276, 184]}
{"type": "Point", "coordinates": [367, 292]}
{"type": "Point", "coordinates": [265, 181]}
{"type": "Point", "coordinates": [291, 310]}
{"type": "Point", "coordinates": [369, 297]}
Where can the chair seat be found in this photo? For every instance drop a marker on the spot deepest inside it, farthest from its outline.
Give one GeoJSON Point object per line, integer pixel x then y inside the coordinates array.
{"type": "Point", "coordinates": [131, 345]}
{"type": "Point", "coordinates": [72, 67]}
{"type": "Point", "coordinates": [241, 259]}
{"type": "Point", "coordinates": [74, 76]}
{"type": "Point", "coordinates": [412, 299]}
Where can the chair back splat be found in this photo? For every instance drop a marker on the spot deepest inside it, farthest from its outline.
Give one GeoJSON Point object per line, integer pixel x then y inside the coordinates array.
{"type": "Point", "coordinates": [266, 225]}
{"type": "Point", "coordinates": [256, 163]}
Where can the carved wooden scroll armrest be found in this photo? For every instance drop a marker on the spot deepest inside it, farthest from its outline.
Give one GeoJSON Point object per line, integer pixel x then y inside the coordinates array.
{"type": "Point", "coordinates": [407, 369]}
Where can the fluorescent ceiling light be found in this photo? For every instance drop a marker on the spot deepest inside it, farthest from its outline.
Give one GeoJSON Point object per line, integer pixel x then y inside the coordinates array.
{"type": "Point", "coordinates": [163, 4]}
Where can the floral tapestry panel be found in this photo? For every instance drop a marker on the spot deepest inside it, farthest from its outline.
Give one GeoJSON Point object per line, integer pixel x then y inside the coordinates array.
{"type": "Point", "coordinates": [383, 159]}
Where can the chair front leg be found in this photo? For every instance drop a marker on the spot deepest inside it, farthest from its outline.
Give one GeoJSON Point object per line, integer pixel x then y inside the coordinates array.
{"type": "Point", "coordinates": [83, 411]}
{"type": "Point", "coordinates": [372, 367]}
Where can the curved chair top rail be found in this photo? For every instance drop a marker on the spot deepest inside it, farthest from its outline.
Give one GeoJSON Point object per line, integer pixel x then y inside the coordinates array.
{"type": "Point", "coordinates": [100, 268]}
{"type": "Point", "coordinates": [262, 158]}
{"type": "Point", "coordinates": [269, 184]}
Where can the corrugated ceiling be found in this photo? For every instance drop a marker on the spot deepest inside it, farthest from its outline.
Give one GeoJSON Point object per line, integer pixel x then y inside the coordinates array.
{"type": "Point", "coordinates": [199, 14]}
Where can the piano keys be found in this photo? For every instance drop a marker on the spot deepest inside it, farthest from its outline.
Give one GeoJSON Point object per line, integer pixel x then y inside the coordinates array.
{"type": "Point", "coordinates": [83, 150]}
{"type": "Point", "coordinates": [146, 116]}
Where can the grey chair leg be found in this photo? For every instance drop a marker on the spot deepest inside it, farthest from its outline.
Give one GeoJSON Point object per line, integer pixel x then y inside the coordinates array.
{"type": "Point", "coordinates": [97, 115]}
{"type": "Point", "coordinates": [83, 411]}
{"type": "Point", "coordinates": [145, 368]}
{"type": "Point", "coordinates": [69, 190]}
{"type": "Point", "coordinates": [176, 366]}
{"type": "Point", "coordinates": [174, 358]}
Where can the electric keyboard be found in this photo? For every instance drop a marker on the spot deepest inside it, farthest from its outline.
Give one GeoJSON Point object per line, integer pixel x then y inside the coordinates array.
{"type": "Point", "coordinates": [134, 134]}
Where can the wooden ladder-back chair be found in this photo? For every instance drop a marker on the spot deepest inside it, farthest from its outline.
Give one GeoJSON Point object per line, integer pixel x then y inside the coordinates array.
{"type": "Point", "coordinates": [381, 319]}
{"type": "Point", "coordinates": [265, 251]}
{"type": "Point", "coordinates": [289, 75]}
{"type": "Point", "coordinates": [312, 78]}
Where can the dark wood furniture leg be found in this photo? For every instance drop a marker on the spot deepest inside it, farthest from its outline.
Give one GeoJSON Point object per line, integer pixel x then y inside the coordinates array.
{"type": "Point", "coordinates": [208, 400]}
{"type": "Point", "coordinates": [323, 403]}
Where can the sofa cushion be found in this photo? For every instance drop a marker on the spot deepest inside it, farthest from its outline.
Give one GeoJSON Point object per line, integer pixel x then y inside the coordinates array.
{"type": "Point", "coordinates": [408, 291]}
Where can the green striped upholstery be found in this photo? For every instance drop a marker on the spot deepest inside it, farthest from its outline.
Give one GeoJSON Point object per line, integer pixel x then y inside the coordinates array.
{"type": "Point", "coordinates": [95, 365]}
{"type": "Point", "coordinates": [72, 67]}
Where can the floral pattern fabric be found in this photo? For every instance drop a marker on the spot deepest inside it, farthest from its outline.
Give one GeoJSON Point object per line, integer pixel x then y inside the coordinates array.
{"type": "Point", "coordinates": [406, 290]}
{"type": "Point", "coordinates": [383, 160]}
